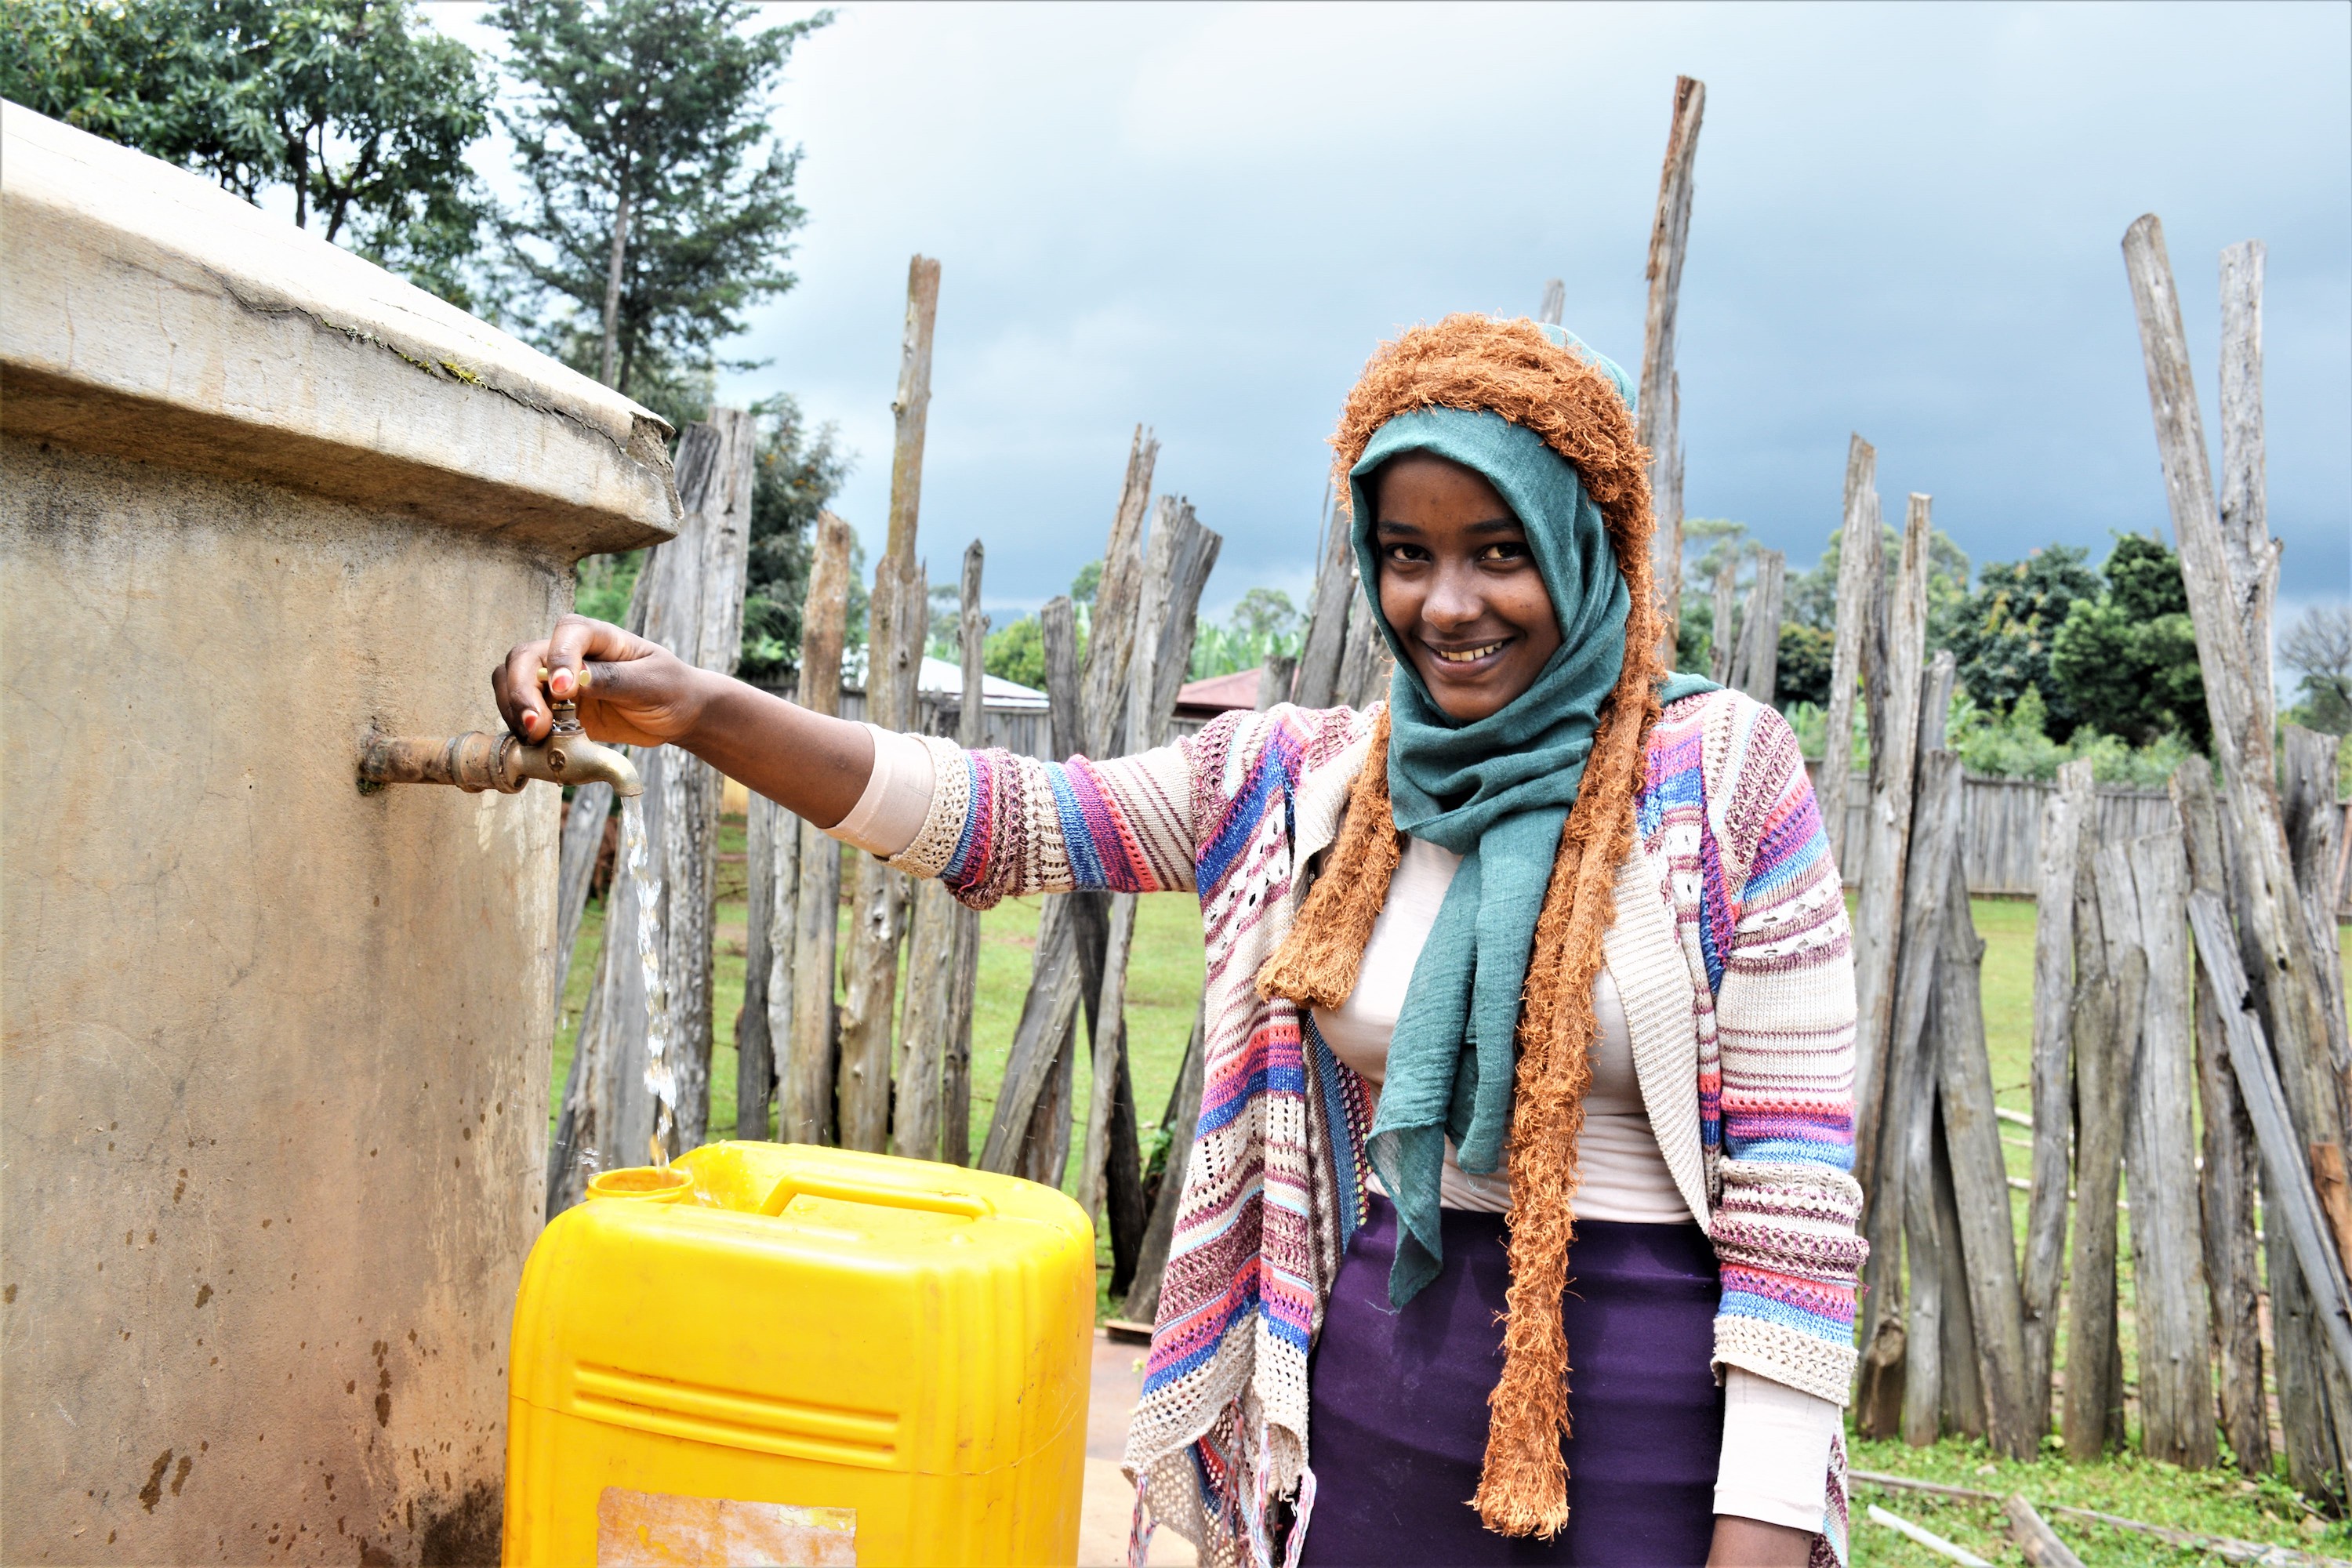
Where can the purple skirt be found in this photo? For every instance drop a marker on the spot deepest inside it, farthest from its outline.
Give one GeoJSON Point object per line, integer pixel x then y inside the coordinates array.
{"type": "Point", "coordinates": [1397, 1401]}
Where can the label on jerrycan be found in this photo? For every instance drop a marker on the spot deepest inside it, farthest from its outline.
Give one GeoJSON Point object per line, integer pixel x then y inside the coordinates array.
{"type": "Point", "coordinates": [662, 1530]}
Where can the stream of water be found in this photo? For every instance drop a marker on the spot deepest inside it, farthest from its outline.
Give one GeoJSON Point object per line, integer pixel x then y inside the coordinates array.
{"type": "Point", "coordinates": [660, 1077]}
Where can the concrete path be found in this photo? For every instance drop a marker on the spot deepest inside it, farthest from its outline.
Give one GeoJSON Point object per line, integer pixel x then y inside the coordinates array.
{"type": "Point", "coordinates": [1108, 1506]}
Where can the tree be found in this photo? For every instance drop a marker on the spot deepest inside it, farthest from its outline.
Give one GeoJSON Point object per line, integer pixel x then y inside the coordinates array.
{"type": "Point", "coordinates": [1804, 666]}
{"type": "Point", "coordinates": [1264, 615]}
{"type": "Point", "coordinates": [1017, 653]}
{"type": "Point", "coordinates": [659, 209]}
{"type": "Point", "coordinates": [2318, 647]}
{"type": "Point", "coordinates": [358, 109]}
{"type": "Point", "coordinates": [2003, 633]}
{"type": "Point", "coordinates": [2127, 659]}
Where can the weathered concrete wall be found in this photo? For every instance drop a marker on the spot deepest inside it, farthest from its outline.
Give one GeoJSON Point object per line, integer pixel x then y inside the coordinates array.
{"type": "Point", "coordinates": [273, 1093]}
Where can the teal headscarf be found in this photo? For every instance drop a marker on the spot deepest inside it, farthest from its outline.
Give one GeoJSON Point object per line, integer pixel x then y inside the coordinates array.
{"type": "Point", "coordinates": [1495, 790]}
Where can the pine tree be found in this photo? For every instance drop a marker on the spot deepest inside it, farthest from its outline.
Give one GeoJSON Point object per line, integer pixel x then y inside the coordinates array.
{"type": "Point", "coordinates": [660, 206]}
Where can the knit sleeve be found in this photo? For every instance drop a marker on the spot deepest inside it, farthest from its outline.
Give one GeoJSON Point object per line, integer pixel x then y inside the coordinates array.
{"type": "Point", "coordinates": [1785, 1229]}
{"type": "Point", "coordinates": [1001, 824]}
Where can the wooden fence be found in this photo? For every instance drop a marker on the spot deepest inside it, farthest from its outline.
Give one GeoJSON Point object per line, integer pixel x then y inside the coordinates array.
{"type": "Point", "coordinates": [2000, 841]}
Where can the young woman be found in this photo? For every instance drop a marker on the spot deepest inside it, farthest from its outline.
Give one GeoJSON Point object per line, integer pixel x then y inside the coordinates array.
{"type": "Point", "coordinates": [1519, 1223]}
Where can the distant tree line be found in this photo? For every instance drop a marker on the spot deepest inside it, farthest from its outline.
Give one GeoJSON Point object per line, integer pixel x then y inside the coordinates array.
{"type": "Point", "coordinates": [659, 206]}
{"type": "Point", "coordinates": [2055, 658]}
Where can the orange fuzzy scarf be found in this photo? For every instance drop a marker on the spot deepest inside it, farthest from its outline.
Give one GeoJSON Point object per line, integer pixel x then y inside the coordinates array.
{"type": "Point", "coordinates": [1511, 369]}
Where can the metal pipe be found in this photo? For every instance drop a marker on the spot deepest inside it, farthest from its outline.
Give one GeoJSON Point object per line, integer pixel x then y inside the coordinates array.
{"type": "Point", "coordinates": [478, 761]}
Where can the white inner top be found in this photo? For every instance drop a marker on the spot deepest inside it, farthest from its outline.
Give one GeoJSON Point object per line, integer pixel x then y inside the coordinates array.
{"type": "Point", "coordinates": [1776, 1440]}
{"type": "Point", "coordinates": [1623, 1175]}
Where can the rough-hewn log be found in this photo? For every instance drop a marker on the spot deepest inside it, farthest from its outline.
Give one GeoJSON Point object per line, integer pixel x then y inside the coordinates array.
{"type": "Point", "coordinates": [1962, 1401]}
{"type": "Point", "coordinates": [2144, 895]}
{"type": "Point", "coordinates": [1877, 922]}
{"type": "Point", "coordinates": [1905, 1181]}
{"type": "Point", "coordinates": [1180, 1120]}
{"type": "Point", "coordinates": [1327, 617]}
{"type": "Point", "coordinates": [2314, 824]}
{"type": "Point", "coordinates": [931, 1071]}
{"type": "Point", "coordinates": [1364, 663]}
{"type": "Point", "coordinates": [897, 616]}
{"type": "Point", "coordinates": [1273, 680]}
{"type": "Point", "coordinates": [1182, 556]}
{"type": "Point", "coordinates": [1756, 670]}
{"type": "Point", "coordinates": [2064, 815]}
{"type": "Point", "coordinates": [1028, 1122]}
{"type": "Point", "coordinates": [1555, 302]}
{"type": "Point", "coordinates": [690, 600]}
{"type": "Point", "coordinates": [1909, 923]}
{"type": "Point", "coordinates": [1724, 637]}
{"type": "Point", "coordinates": [2294, 1202]}
{"type": "Point", "coordinates": [2033, 1536]}
{"type": "Point", "coordinates": [772, 856]}
{"type": "Point", "coordinates": [1980, 1181]}
{"type": "Point", "coordinates": [2294, 997]}
{"type": "Point", "coordinates": [1110, 635]}
{"type": "Point", "coordinates": [2110, 992]}
{"type": "Point", "coordinates": [2228, 1181]}
{"type": "Point", "coordinates": [1656, 413]}
{"type": "Point", "coordinates": [2253, 554]}
{"type": "Point", "coordinates": [1858, 587]}
{"type": "Point", "coordinates": [804, 1097]}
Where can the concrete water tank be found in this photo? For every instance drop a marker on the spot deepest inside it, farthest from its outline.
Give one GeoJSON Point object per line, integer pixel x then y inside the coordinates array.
{"type": "Point", "coordinates": [273, 1106]}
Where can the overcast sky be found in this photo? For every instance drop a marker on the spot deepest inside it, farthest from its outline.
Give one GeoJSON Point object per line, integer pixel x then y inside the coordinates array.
{"type": "Point", "coordinates": [1907, 223]}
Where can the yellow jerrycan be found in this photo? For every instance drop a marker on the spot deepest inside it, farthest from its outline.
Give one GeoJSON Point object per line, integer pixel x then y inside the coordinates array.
{"type": "Point", "coordinates": [778, 1354]}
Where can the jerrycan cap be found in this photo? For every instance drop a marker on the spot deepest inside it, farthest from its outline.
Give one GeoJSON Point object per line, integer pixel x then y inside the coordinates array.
{"type": "Point", "coordinates": [643, 1184]}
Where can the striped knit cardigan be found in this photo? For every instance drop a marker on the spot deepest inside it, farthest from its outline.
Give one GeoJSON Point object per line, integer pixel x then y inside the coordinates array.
{"type": "Point", "coordinates": [1733, 874]}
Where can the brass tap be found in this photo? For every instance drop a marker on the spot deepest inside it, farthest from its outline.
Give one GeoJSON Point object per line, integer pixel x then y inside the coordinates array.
{"type": "Point", "coordinates": [478, 761]}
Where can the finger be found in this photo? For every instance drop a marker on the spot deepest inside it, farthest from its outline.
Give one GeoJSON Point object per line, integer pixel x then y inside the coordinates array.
{"type": "Point", "coordinates": [575, 641]}
{"type": "Point", "coordinates": [516, 684]}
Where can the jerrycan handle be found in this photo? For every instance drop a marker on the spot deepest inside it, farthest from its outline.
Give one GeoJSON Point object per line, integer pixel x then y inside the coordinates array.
{"type": "Point", "coordinates": [849, 1190]}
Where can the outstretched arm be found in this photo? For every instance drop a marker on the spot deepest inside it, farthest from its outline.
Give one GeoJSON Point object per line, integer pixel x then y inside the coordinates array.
{"type": "Point", "coordinates": [639, 693]}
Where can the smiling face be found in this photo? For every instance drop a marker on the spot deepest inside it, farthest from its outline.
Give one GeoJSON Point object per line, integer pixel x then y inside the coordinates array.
{"type": "Point", "coordinates": [1459, 585]}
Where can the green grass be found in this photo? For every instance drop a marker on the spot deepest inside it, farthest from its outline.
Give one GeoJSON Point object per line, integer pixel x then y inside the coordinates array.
{"type": "Point", "coordinates": [2207, 1502]}
{"type": "Point", "coordinates": [1164, 981]}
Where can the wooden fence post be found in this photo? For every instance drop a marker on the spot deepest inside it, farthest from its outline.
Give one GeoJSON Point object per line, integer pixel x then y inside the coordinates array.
{"type": "Point", "coordinates": [1022, 1133]}
{"type": "Point", "coordinates": [897, 616]}
{"type": "Point", "coordinates": [1981, 1182]}
{"type": "Point", "coordinates": [2110, 992]}
{"type": "Point", "coordinates": [1555, 302]}
{"type": "Point", "coordinates": [1182, 1118]}
{"type": "Point", "coordinates": [584, 839]}
{"type": "Point", "coordinates": [1858, 588]}
{"type": "Point", "coordinates": [2295, 1202]}
{"type": "Point", "coordinates": [2065, 815]}
{"type": "Point", "coordinates": [1893, 767]}
{"type": "Point", "coordinates": [1723, 649]}
{"type": "Point", "coordinates": [2176, 1381]}
{"type": "Point", "coordinates": [804, 1103]}
{"type": "Point", "coordinates": [771, 858]}
{"type": "Point", "coordinates": [689, 599]}
{"type": "Point", "coordinates": [1881, 919]}
{"type": "Point", "coordinates": [2253, 554]}
{"type": "Point", "coordinates": [1319, 655]}
{"type": "Point", "coordinates": [932, 1073]}
{"type": "Point", "coordinates": [1757, 668]}
{"type": "Point", "coordinates": [2294, 997]}
{"type": "Point", "coordinates": [2232, 1165]}
{"type": "Point", "coordinates": [1656, 416]}
{"type": "Point", "coordinates": [971, 733]}
{"type": "Point", "coordinates": [1905, 1185]}
{"type": "Point", "coordinates": [1182, 554]}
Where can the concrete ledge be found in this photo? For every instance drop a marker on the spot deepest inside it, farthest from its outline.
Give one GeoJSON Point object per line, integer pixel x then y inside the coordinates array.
{"type": "Point", "coordinates": [145, 312]}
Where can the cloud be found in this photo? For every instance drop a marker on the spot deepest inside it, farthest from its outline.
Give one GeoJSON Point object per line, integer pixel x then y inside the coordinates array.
{"type": "Point", "coordinates": [1907, 223]}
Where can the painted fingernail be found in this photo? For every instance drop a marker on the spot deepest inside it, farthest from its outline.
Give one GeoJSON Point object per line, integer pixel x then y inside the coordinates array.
{"type": "Point", "coordinates": [559, 683]}
{"type": "Point", "coordinates": [530, 722]}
